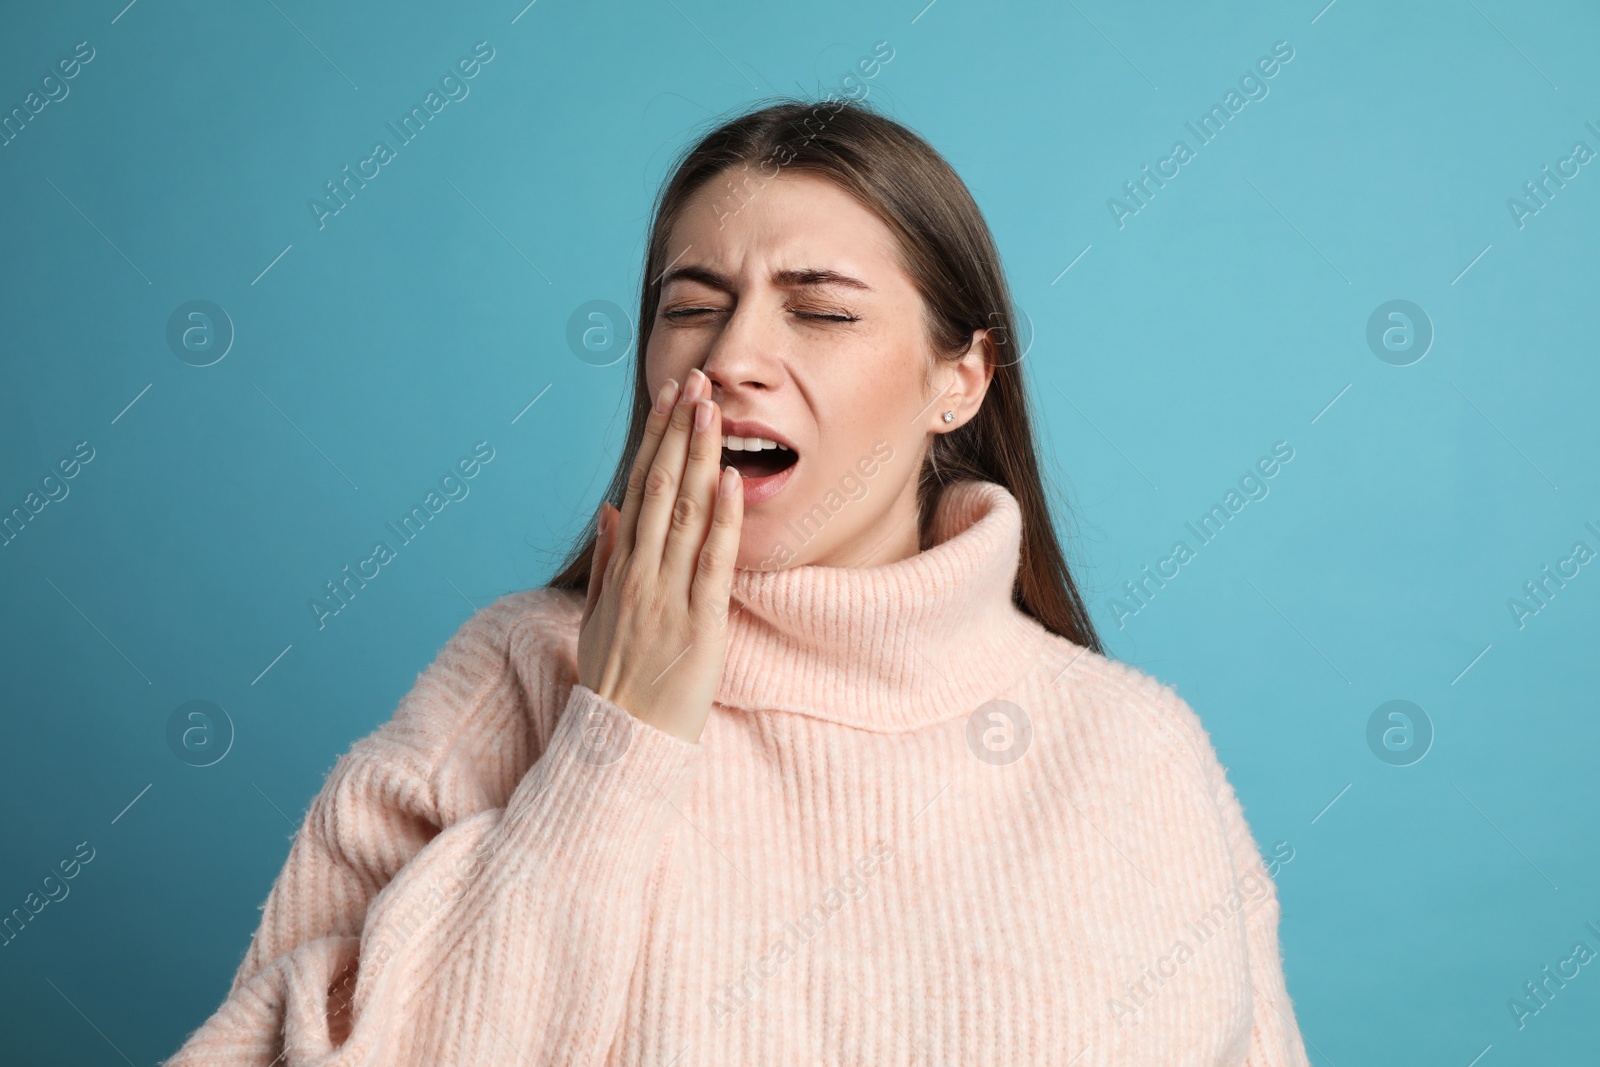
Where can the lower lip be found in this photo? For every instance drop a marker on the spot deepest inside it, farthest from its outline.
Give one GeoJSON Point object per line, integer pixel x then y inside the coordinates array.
{"type": "Point", "coordinates": [758, 489]}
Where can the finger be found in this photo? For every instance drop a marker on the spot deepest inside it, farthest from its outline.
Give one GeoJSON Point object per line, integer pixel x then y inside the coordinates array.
{"type": "Point", "coordinates": [660, 491]}
{"type": "Point", "coordinates": [713, 577]}
{"type": "Point", "coordinates": [697, 494]}
{"type": "Point", "coordinates": [655, 427]}
{"type": "Point", "coordinates": [597, 562]}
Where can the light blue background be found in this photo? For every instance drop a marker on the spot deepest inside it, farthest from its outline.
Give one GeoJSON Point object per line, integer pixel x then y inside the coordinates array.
{"type": "Point", "coordinates": [1228, 314]}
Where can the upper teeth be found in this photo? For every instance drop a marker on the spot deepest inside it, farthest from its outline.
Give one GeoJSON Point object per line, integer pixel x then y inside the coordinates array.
{"type": "Point", "coordinates": [749, 444]}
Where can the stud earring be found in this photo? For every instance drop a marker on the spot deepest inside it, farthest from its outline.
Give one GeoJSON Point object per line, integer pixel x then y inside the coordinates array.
{"type": "Point", "coordinates": [949, 416]}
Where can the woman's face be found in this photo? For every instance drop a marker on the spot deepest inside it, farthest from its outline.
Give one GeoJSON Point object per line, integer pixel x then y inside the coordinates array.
{"type": "Point", "coordinates": [790, 299]}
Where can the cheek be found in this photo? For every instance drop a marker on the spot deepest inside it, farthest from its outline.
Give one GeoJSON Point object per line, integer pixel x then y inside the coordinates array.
{"type": "Point", "coordinates": [880, 397]}
{"type": "Point", "coordinates": [654, 353]}
{"type": "Point", "coordinates": [661, 363]}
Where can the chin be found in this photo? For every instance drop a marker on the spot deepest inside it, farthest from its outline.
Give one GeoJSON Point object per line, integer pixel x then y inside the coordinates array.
{"type": "Point", "coordinates": [763, 544]}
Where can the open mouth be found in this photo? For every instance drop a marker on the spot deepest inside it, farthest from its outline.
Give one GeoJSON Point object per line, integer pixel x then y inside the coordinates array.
{"type": "Point", "coordinates": [756, 457]}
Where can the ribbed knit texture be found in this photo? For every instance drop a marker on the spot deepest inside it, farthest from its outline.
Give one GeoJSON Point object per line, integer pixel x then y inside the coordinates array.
{"type": "Point", "coordinates": [849, 867]}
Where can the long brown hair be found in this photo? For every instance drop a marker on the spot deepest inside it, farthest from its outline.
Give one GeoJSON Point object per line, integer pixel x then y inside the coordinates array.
{"type": "Point", "coordinates": [947, 250]}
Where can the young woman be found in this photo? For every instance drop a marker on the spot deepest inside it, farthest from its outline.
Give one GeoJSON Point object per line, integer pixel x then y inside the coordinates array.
{"type": "Point", "coordinates": [810, 753]}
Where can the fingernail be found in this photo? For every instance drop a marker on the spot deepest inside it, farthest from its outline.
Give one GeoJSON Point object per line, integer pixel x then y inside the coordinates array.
{"type": "Point", "coordinates": [730, 481]}
{"type": "Point", "coordinates": [697, 385]}
{"type": "Point", "coordinates": [702, 414]}
{"type": "Point", "coordinates": [664, 397]}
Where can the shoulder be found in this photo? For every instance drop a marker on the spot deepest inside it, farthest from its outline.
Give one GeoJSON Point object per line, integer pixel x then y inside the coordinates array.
{"type": "Point", "coordinates": [497, 639]}
{"type": "Point", "coordinates": [512, 619]}
{"type": "Point", "coordinates": [1140, 731]}
{"type": "Point", "coordinates": [1122, 696]}
{"type": "Point", "coordinates": [478, 683]}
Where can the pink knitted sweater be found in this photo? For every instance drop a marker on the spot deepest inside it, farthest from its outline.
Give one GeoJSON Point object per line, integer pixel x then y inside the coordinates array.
{"type": "Point", "coordinates": [918, 827]}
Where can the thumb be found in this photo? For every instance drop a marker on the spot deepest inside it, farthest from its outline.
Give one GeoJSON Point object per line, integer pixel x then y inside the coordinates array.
{"type": "Point", "coordinates": [603, 544]}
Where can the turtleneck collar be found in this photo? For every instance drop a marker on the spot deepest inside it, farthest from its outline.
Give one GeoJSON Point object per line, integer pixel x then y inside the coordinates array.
{"type": "Point", "coordinates": [891, 647]}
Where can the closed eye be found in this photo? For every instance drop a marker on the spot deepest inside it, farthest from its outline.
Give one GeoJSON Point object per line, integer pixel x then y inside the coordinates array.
{"type": "Point", "coordinates": [686, 313]}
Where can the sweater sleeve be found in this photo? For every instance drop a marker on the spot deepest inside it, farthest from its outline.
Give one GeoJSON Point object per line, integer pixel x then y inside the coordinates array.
{"type": "Point", "coordinates": [391, 937]}
{"type": "Point", "coordinates": [1275, 1039]}
{"type": "Point", "coordinates": [380, 804]}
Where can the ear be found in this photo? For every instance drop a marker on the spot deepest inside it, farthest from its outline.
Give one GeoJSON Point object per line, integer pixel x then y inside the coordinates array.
{"type": "Point", "coordinates": [968, 379]}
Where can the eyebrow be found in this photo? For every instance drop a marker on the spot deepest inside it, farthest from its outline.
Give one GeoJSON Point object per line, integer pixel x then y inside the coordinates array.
{"type": "Point", "coordinates": [798, 278]}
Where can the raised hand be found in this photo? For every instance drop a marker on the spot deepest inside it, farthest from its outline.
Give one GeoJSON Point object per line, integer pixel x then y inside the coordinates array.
{"type": "Point", "coordinates": [654, 632]}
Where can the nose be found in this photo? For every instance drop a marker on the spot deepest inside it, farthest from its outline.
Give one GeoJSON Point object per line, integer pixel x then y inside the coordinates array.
{"type": "Point", "coordinates": [743, 354]}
